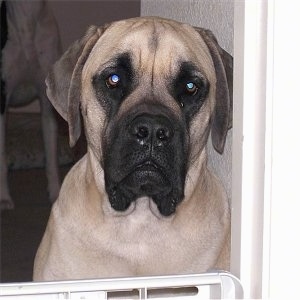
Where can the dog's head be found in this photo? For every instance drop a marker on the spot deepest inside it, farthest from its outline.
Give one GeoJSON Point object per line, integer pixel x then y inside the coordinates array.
{"type": "Point", "coordinates": [150, 91]}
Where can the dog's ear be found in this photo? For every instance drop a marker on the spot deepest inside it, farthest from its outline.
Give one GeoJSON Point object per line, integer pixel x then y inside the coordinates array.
{"type": "Point", "coordinates": [222, 116]}
{"type": "Point", "coordinates": [64, 81]}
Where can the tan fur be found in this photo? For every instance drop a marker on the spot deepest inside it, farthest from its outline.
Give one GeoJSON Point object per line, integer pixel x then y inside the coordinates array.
{"type": "Point", "coordinates": [85, 237]}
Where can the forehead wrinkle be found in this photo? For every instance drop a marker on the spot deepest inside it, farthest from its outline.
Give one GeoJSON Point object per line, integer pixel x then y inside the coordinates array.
{"type": "Point", "coordinates": [153, 48]}
{"type": "Point", "coordinates": [153, 40]}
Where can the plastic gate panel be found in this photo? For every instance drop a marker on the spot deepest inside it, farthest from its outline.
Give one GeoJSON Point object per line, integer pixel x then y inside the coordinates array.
{"type": "Point", "coordinates": [197, 286]}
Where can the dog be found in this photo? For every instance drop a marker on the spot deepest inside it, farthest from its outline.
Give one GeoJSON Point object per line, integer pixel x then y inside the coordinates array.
{"type": "Point", "coordinates": [30, 44]}
{"type": "Point", "coordinates": [142, 201]}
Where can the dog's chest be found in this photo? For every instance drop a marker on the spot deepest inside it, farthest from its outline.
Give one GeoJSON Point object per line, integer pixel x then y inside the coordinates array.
{"type": "Point", "coordinates": [140, 231]}
{"type": "Point", "coordinates": [141, 247]}
{"type": "Point", "coordinates": [146, 244]}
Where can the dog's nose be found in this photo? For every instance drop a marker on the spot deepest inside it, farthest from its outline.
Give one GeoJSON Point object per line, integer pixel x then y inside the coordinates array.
{"type": "Point", "coordinates": [154, 129]}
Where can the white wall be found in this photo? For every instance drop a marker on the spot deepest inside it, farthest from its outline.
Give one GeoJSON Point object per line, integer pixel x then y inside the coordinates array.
{"type": "Point", "coordinates": [217, 16]}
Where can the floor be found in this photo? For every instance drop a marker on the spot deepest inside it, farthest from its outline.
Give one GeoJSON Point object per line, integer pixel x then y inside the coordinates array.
{"type": "Point", "coordinates": [23, 227]}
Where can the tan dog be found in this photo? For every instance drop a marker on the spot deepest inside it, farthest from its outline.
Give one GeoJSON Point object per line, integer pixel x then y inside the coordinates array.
{"type": "Point", "coordinates": [142, 200]}
{"type": "Point", "coordinates": [32, 46]}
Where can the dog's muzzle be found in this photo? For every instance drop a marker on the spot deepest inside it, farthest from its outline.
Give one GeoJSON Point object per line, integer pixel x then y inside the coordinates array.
{"type": "Point", "coordinates": [146, 157]}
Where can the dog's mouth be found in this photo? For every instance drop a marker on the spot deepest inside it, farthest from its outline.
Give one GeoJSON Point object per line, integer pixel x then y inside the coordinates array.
{"type": "Point", "coordinates": [147, 179]}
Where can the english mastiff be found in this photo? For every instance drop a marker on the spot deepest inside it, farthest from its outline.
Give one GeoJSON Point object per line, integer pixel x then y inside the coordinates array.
{"type": "Point", "coordinates": [142, 201]}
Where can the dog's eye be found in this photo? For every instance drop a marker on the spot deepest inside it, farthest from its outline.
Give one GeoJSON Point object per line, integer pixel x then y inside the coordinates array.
{"type": "Point", "coordinates": [191, 88]}
{"type": "Point", "coordinates": [112, 81]}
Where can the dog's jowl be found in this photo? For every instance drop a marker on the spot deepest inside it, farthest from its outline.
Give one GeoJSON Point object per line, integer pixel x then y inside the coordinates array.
{"type": "Point", "coordinates": [142, 200]}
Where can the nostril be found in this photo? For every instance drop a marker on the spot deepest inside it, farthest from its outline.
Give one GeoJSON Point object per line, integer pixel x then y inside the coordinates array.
{"type": "Point", "coordinates": [141, 132]}
{"type": "Point", "coordinates": [162, 134]}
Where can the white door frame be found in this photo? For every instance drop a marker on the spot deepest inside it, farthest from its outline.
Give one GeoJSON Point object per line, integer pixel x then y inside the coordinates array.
{"type": "Point", "coordinates": [265, 197]}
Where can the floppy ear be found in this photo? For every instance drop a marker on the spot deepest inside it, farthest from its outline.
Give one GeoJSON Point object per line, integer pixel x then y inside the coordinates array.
{"type": "Point", "coordinates": [64, 81]}
{"type": "Point", "coordinates": [222, 116]}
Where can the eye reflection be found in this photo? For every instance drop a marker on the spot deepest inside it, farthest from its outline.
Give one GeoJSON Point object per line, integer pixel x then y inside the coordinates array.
{"type": "Point", "coordinates": [191, 88]}
{"type": "Point", "coordinates": [113, 80]}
